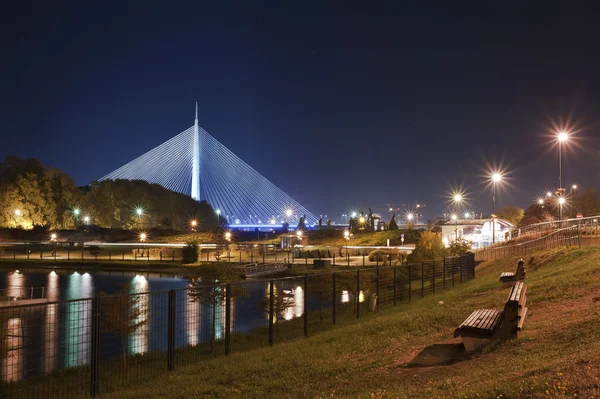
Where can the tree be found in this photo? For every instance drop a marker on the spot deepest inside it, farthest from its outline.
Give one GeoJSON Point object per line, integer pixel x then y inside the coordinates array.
{"type": "Point", "coordinates": [586, 201]}
{"type": "Point", "coordinates": [210, 290]}
{"type": "Point", "coordinates": [282, 300]}
{"type": "Point", "coordinates": [458, 247]}
{"type": "Point", "coordinates": [393, 225]}
{"type": "Point", "coordinates": [428, 247]}
{"type": "Point", "coordinates": [190, 252]}
{"type": "Point", "coordinates": [123, 315]}
{"type": "Point", "coordinates": [513, 214]}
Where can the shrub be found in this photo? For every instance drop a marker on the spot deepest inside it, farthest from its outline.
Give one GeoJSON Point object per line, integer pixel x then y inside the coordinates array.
{"type": "Point", "coordinates": [190, 252]}
{"type": "Point", "coordinates": [377, 255]}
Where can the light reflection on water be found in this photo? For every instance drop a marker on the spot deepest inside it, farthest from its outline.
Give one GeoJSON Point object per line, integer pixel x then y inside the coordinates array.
{"type": "Point", "coordinates": [59, 334]}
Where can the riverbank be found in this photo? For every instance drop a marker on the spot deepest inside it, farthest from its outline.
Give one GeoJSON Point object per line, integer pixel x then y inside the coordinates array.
{"type": "Point", "coordinates": [375, 358]}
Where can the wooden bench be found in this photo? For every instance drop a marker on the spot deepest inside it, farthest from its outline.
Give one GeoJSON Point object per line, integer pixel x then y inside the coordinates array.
{"type": "Point", "coordinates": [509, 279]}
{"type": "Point", "coordinates": [484, 325]}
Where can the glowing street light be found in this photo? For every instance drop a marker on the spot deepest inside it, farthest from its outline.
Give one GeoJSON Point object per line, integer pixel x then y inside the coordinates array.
{"type": "Point", "coordinates": [353, 214]}
{"type": "Point", "coordinates": [17, 212]}
{"type": "Point", "coordinates": [562, 137]}
{"type": "Point", "coordinates": [346, 234]}
{"type": "Point", "coordinates": [228, 236]}
{"type": "Point", "coordinates": [540, 201]}
{"type": "Point", "coordinates": [218, 212]}
{"type": "Point", "coordinates": [562, 200]}
{"type": "Point", "coordinates": [143, 237]}
{"type": "Point", "coordinates": [53, 237]}
{"type": "Point", "coordinates": [548, 194]}
{"type": "Point", "coordinates": [139, 212]}
{"type": "Point", "coordinates": [467, 215]}
{"type": "Point", "coordinates": [86, 220]}
{"type": "Point", "coordinates": [410, 217]}
{"type": "Point", "coordinates": [574, 187]}
{"type": "Point", "coordinates": [361, 220]}
{"type": "Point", "coordinates": [299, 234]}
{"type": "Point", "coordinates": [76, 212]}
{"type": "Point", "coordinates": [457, 198]}
{"type": "Point", "coordinates": [496, 178]}
{"type": "Point", "coordinates": [194, 223]}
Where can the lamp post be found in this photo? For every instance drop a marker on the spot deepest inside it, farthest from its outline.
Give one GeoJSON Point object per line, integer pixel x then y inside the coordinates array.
{"type": "Point", "coordinates": [455, 218]}
{"type": "Point", "coordinates": [561, 202]}
{"type": "Point", "coordinates": [573, 203]}
{"type": "Point", "coordinates": [347, 238]}
{"type": "Point", "coordinates": [561, 137]}
{"type": "Point", "coordinates": [496, 178]}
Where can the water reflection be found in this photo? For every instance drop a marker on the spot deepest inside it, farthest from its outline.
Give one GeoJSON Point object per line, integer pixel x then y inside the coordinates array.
{"type": "Point", "coordinates": [138, 341]}
{"type": "Point", "coordinates": [78, 320]}
{"type": "Point", "coordinates": [193, 320]}
{"type": "Point", "coordinates": [12, 364]}
{"type": "Point", "coordinates": [51, 325]}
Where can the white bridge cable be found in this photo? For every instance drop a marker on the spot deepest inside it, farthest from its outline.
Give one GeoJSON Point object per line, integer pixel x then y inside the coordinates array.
{"type": "Point", "coordinates": [229, 184]}
{"type": "Point", "coordinates": [252, 183]}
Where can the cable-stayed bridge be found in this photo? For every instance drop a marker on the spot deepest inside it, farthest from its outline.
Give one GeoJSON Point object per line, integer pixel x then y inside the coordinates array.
{"type": "Point", "coordinates": [195, 163]}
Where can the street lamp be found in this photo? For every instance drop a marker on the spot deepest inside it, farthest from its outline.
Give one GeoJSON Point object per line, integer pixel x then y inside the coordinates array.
{"type": "Point", "coordinates": [561, 137]}
{"type": "Point", "coordinates": [228, 236]}
{"type": "Point", "coordinates": [194, 223]}
{"type": "Point", "coordinates": [561, 202]}
{"type": "Point", "coordinates": [548, 194]}
{"type": "Point", "coordinates": [455, 218]}
{"type": "Point", "coordinates": [139, 212]}
{"type": "Point", "coordinates": [467, 215]}
{"type": "Point", "coordinates": [496, 178]}
{"type": "Point", "coordinates": [353, 214]}
{"type": "Point", "coordinates": [540, 201]}
{"type": "Point", "coordinates": [17, 212]}
{"type": "Point", "coordinates": [347, 237]}
{"type": "Point", "coordinates": [53, 237]}
{"type": "Point", "coordinates": [299, 234]}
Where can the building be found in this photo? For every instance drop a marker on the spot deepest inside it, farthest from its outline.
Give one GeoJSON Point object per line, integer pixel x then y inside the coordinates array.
{"type": "Point", "coordinates": [478, 231]}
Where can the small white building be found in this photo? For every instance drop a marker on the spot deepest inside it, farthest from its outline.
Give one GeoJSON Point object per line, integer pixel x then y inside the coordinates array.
{"type": "Point", "coordinates": [478, 231]}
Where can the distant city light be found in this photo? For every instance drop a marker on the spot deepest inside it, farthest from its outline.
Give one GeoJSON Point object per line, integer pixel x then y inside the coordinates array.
{"type": "Point", "coordinates": [391, 209]}
{"type": "Point", "coordinates": [353, 214]}
{"type": "Point", "coordinates": [299, 233]}
{"type": "Point", "coordinates": [467, 215]}
{"type": "Point", "coordinates": [574, 186]}
{"type": "Point", "coordinates": [272, 221]}
{"type": "Point", "coordinates": [289, 213]}
{"type": "Point", "coordinates": [218, 212]}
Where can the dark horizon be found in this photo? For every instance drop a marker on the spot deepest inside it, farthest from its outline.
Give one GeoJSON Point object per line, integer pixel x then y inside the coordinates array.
{"type": "Point", "coordinates": [340, 107]}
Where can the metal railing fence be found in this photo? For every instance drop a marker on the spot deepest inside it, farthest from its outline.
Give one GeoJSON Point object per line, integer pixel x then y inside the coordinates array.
{"type": "Point", "coordinates": [80, 348]}
{"type": "Point", "coordinates": [567, 237]}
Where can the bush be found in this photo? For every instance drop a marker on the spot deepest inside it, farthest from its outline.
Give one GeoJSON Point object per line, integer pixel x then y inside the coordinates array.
{"type": "Point", "coordinates": [190, 253]}
{"type": "Point", "coordinates": [377, 255]}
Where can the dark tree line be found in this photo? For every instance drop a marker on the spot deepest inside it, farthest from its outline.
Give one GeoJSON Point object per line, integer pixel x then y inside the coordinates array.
{"type": "Point", "coordinates": [32, 194]}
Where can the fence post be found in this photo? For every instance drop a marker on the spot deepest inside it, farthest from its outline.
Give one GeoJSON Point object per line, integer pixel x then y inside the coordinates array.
{"type": "Point", "coordinates": [305, 306]}
{"type": "Point", "coordinates": [358, 293]}
{"type": "Point", "coordinates": [240, 255]}
{"type": "Point", "coordinates": [160, 255]}
{"type": "Point", "coordinates": [409, 285]}
{"type": "Point", "coordinates": [363, 260]}
{"type": "Point", "coordinates": [228, 320]}
{"type": "Point", "coordinates": [453, 270]}
{"type": "Point", "coordinates": [444, 273]}
{"type": "Point", "coordinates": [171, 332]}
{"type": "Point", "coordinates": [433, 276]}
{"type": "Point", "coordinates": [334, 300]}
{"type": "Point", "coordinates": [333, 259]}
{"type": "Point", "coordinates": [395, 286]}
{"type": "Point", "coordinates": [271, 310]}
{"type": "Point", "coordinates": [377, 303]}
{"type": "Point", "coordinates": [422, 279]}
{"type": "Point", "coordinates": [95, 375]}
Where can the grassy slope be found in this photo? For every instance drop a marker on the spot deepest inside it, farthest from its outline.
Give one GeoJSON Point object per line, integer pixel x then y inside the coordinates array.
{"type": "Point", "coordinates": [558, 354]}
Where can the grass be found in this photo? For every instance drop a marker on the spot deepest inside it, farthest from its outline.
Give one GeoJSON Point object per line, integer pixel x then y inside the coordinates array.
{"type": "Point", "coordinates": [558, 354]}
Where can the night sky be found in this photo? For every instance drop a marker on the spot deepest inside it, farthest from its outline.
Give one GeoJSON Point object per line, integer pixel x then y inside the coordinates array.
{"type": "Point", "coordinates": [342, 106]}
